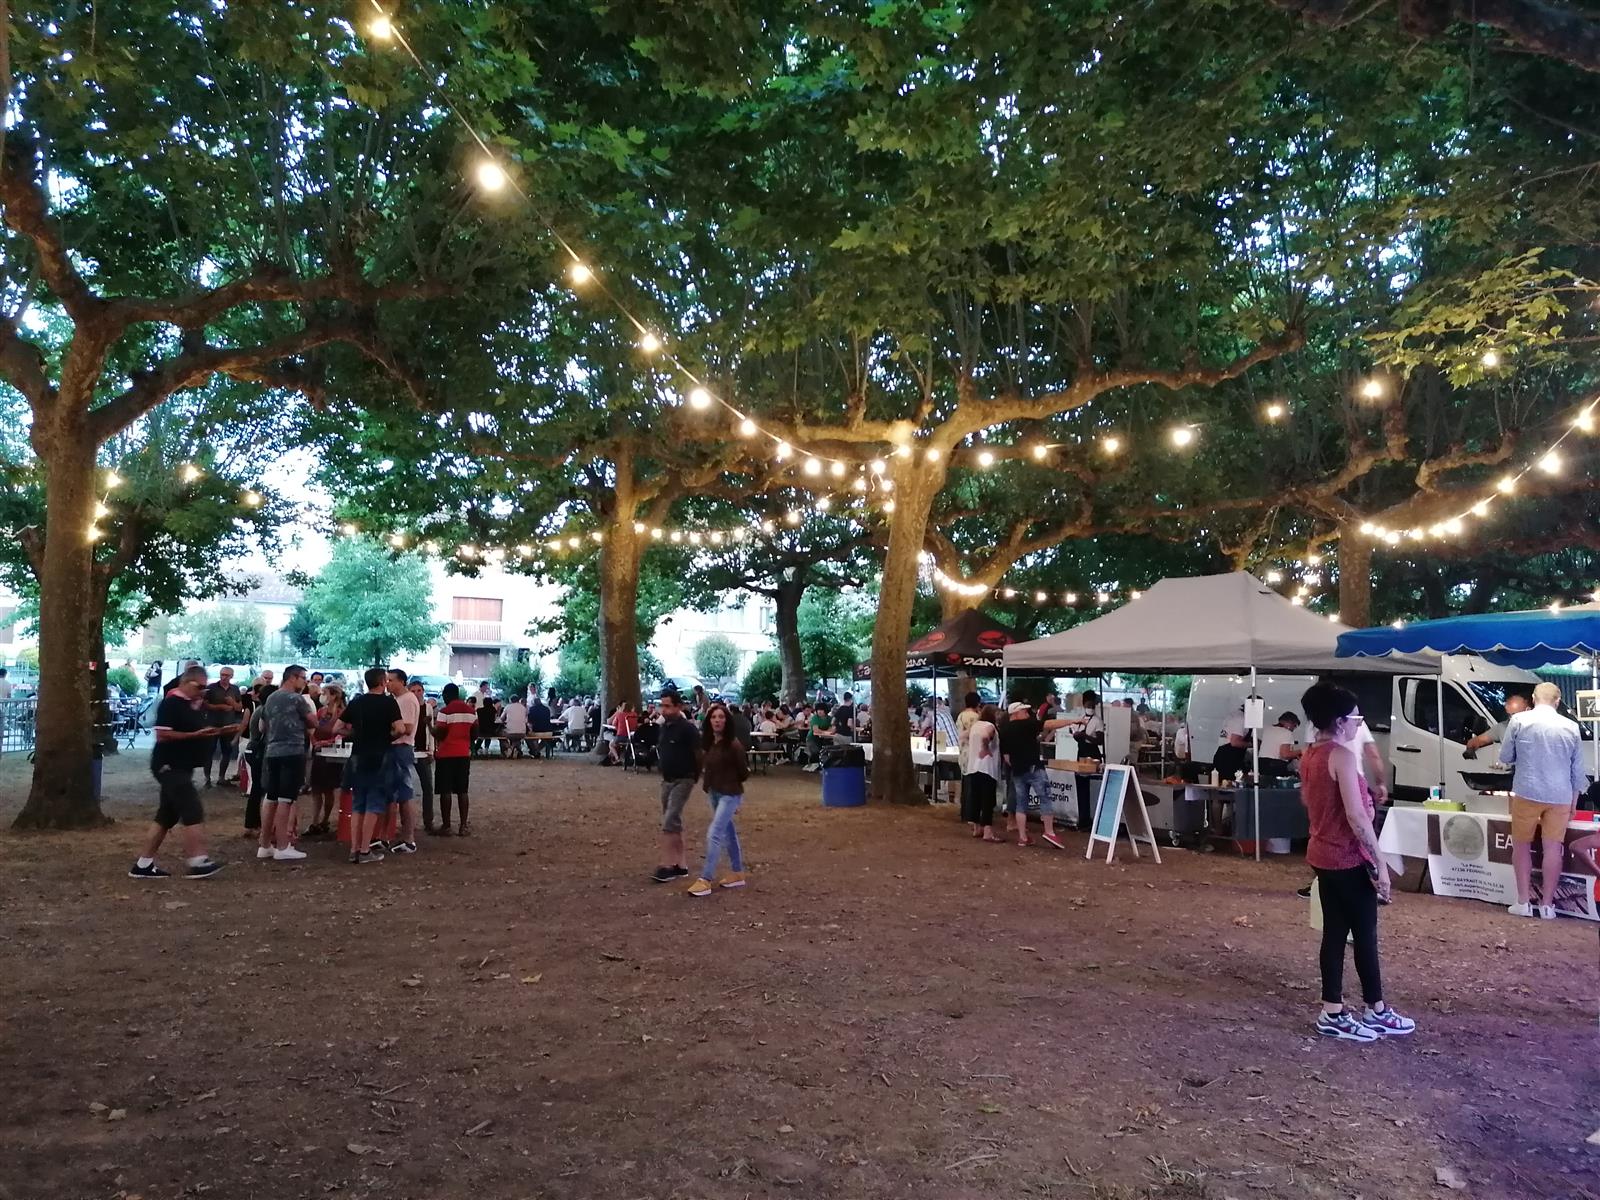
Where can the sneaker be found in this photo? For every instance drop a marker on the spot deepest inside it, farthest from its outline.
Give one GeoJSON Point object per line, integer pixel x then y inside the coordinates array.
{"type": "Point", "coordinates": [1344, 1026]}
{"type": "Point", "coordinates": [208, 781]}
{"type": "Point", "coordinates": [1388, 1023]}
{"type": "Point", "coordinates": [150, 872]}
{"type": "Point", "coordinates": [732, 879]}
{"type": "Point", "coordinates": [204, 871]}
{"type": "Point", "coordinates": [1304, 893]}
{"type": "Point", "coordinates": [1055, 841]}
{"type": "Point", "coordinates": [403, 848]}
{"type": "Point", "coordinates": [1547, 912]}
{"type": "Point", "coordinates": [680, 872]}
{"type": "Point", "coordinates": [663, 874]}
{"type": "Point", "coordinates": [265, 851]}
{"type": "Point", "coordinates": [1520, 910]}
{"type": "Point", "coordinates": [700, 887]}
{"type": "Point", "coordinates": [380, 846]}
{"type": "Point", "coordinates": [371, 856]}
{"type": "Point", "coordinates": [289, 855]}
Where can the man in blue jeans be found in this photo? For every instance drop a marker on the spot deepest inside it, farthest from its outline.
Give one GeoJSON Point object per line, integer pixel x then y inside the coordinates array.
{"type": "Point", "coordinates": [1019, 749]}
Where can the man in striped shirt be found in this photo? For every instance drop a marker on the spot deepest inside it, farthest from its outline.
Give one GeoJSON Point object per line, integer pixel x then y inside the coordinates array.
{"type": "Point", "coordinates": [452, 770]}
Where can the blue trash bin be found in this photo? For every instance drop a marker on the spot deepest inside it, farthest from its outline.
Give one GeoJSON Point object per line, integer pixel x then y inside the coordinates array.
{"type": "Point", "coordinates": [844, 787]}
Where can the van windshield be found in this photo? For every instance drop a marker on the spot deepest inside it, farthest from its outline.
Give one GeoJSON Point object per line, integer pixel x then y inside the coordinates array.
{"type": "Point", "coordinates": [1493, 692]}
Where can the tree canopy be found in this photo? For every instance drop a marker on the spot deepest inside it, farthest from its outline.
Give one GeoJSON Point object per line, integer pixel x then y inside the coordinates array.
{"type": "Point", "coordinates": [370, 604]}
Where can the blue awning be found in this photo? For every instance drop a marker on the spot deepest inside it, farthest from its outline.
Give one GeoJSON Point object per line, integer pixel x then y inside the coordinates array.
{"type": "Point", "coordinates": [1531, 639]}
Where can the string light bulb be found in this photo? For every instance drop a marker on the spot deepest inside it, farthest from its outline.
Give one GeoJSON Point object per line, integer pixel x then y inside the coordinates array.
{"type": "Point", "coordinates": [1550, 464]}
{"type": "Point", "coordinates": [491, 176]}
{"type": "Point", "coordinates": [1275, 411]}
{"type": "Point", "coordinates": [878, 466]}
{"type": "Point", "coordinates": [1274, 576]}
{"type": "Point", "coordinates": [1111, 445]}
{"type": "Point", "coordinates": [986, 459]}
{"type": "Point", "coordinates": [1481, 509]}
{"type": "Point", "coordinates": [397, 540]}
{"type": "Point", "coordinates": [676, 536]}
{"type": "Point", "coordinates": [792, 516]}
{"type": "Point", "coordinates": [1583, 423]}
{"type": "Point", "coordinates": [94, 534]}
{"type": "Point", "coordinates": [1072, 597]}
{"type": "Point", "coordinates": [113, 480]}
{"type": "Point", "coordinates": [655, 534]}
{"type": "Point", "coordinates": [1103, 598]}
{"type": "Point", "coordinates": [1372, 389]}
{"type": "Point", "coordinates": [782, 451]}
{"type": "Point", "coordinates": [1182, 435]}
{"type": "Point", "coordinates": [638, 527]}
{"type": "Point", "coordinates": [1507, 484]}
{"type": "Point", "coordinates": [380, 28]}
{"type": "Point", "coordinates": [824, 504]}
{"type": "Point", "coordinates": [1040, 597]}
{"type": "Point", "coordinates": [649, 343]}
{"type": "Point", "coordinates": [699, 398]}
{"type": "Point", "coordinates": [1490, 359]}
{"type": "Point", "coordinates": [933, 454]}
{"type": "Point", "coordinates": [189, 473]}
{"type": "Point", "coordinates": [813, 466]}
{"type": "Point", "coordinates": [836, 469]}
{"type": "Point", "coordinates": [888, 506]}
{"type": "Point", "coordinates": [579, 273]}
{"type": "Point", "coordinates": [100, 510]}
{"type": "Point", "coordinates": [252, 499]}
{"type": "Point", "coordinates": [1368, 528]}
{"type": "Point", "coordinates": [1453, 526]}
{"type": "Point", "coordinates": [747, 427]}
{"type": "Point", "coordinates": [859, 484]}
{"type": "Point", "coordinates": [1041, 452]}
{"type": "Point", "coordinates": [467, 550]}
{"type": "Point", "coordinates": [348, 529]}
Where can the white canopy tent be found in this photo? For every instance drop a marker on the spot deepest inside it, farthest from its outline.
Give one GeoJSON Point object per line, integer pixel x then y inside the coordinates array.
{"type": "Point", "coordinates": [1212, 624]}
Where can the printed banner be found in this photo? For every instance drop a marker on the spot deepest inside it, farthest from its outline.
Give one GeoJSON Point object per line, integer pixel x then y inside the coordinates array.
{"type": "Point", "coordinates": [1469, 856]}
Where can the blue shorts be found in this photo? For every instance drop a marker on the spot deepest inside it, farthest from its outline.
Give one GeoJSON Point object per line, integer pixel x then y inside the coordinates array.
{"type": "Point", "coordinates": [370, 790]}
{"type": "Point", "coordinates": [402, 765]}
{"type": "Point", "coordinates": [1035, 781]}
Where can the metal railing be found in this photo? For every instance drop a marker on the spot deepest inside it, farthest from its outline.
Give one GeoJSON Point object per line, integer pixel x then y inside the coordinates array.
{"type": "Point", "coordinates": [17, 725]}
{"type": "Point", "coordinates": [475, 633]}
{"type": "Point", "coordinates": [117, 718]}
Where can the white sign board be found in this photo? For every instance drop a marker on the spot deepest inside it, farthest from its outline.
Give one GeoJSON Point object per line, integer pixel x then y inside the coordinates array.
{"type": "Point", "coordinates": [1121, 806]}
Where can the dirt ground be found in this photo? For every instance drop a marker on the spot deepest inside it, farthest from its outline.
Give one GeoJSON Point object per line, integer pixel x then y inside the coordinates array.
{"type": "Point", "coordinates": [889, 1009]}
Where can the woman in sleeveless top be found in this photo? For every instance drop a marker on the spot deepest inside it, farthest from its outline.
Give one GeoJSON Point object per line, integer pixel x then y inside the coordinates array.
{"type": "Point", "coordinates": [1351, 875]}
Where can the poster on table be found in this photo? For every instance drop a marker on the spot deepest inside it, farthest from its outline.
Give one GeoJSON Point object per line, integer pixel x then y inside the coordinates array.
{"type": "Point", "coordinates": [1469, 856]}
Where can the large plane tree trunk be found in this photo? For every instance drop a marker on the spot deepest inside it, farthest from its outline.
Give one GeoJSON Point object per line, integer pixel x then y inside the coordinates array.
{"type": "Point", "coordinates": [916, 485]}
{"type": "Point", "coordinates": [1355, 577]}
{"type": "Point", "coordinates": [619, 605]}
{"type": "Point", "coordinates": [789, 594]}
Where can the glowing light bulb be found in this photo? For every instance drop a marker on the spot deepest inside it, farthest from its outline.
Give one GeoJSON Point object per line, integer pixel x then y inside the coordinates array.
{"type": "Point", "coordinates": [1182, 436]}
{"type": "Point", "coordinates": [655, 534]}
{"type": "Point", "coordinates": [888, 506]}
{"type": "Point", "coordinates": [769, 527]}
{"type": "Point", "coordinates": [579, 273]}
{"type": "Point", "coordinates": [573, 543]}
{"type": "Point", "coordinates": [878, 466]}
{"type": "Point", "coordinates": [1416, 535]}
{"type": "Point", "coordinates": [1297, 601]}
{"type": "Point", "coordinates": [491, 176]}
{"type": "Point", "coordinates": [1275, 412]}
{"type": "Point", "coordinates": [523, 549]}
{"type": "Point", "coordinates": [1398, 624]}
{"type": "Point", "coordinates": [1041, 451]}
{"type": "Point", "coordinates": [597, 537]}
{"type": "Point", "coordinates": [903, 451]}
{"type": "Point", "coordinates": [347, 529]}
{"type": "Point", "coordinates": [1481, 509]}
{"type": "Point", "coordinates": [1550, 464]}
{"type": "Point", "coordinates": [859, 483]}
{"type": "Point", "coordinates": [716, 537]}
{"type": "Point", "coordinates": [824, 504]}
{"type": "Point", "coordinates": [554, 544]}
{"type": "Point", "coordinates": [782, 451]}
{"type": "Point", "coordinates": [638, 526]}
{"type": "Point", "coordinates": [1111, 445]}
{"type": "Point", "coordinates": [1274, 576]}
{"type": "Point", "coordinates": [113, 480]}
{"type": "Point", "coordinates": [380, 28]}
{"type": "Point", "coordinates": [1372, 389]}
{"type": "Point", "coordinates": [430, 547]}
{"type": "Point", "coordinates": [1490, 359]}
{"type": "Point", "coordinates": [1507, 484]}
{"type": "Point", "coordinates": [100, 510]}
{"type": "Point", "coordinates": [1453, 526]}
{"type": "Point", "coordinates": [1313, 560]}
{"type": "Point", "coordinates": [1071, 597]}
{"type": "Point", "coordinates": [189, 473]}
{"type": "Point", "coordinates": [1134, 595]}
{"type": "Point", "coordinates": [94, 534]}
{"type": "Point", "coordinates": [677, 535]}
{"type": "Point", "coordinates": [886, 484]}
{"type": "Point", "coordinates": [467, 550]}
{"type": "Point", "coordinates": [747, 427]}
{"type": "Point", "coordinates": [934, 454]}
{"type": "Point", "coordinates": [792, 516]}
{"type": "Point", "coordinates": [694, 538]}
{"type": "Point", "coordinates": [1555, 606]}
{"type": "Point", "coordinates": [739, 534]}
{"type": "Point", "coordinates": [649, 343]}
{"type": "Point", "coordinates": [1392, 537]}
{"type": "Point", "coordinates": [813, 466]}
{"type": "Point", "coordinates": [1103, 598]}
{"type": "Point", "coordinates": [252, 499]}
{"type": "Point", "coordinates": [1368, 528]}
{"type": "Point", "coordinates": [1583, 422]}
{"type": "Point", "coordinates": [1333, 618]}
{"type": "Point", "coordinates": [836, 469]}
{"type": "Point", "coordinates": [699, 398]}
{"type": "Point", "coordinates": [1040, 597]}
{"type": "Point", "coordinates": [397, 540]}
{"type": "Point", "coordinates": [1009, 594]}
{"type": "Point", "coordinates": [986, 458]}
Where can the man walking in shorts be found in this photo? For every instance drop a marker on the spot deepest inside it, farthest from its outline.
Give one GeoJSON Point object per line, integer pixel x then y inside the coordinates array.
{"type": "Point", "coordinates": [1546, 753]}
{"type": "Point", "coordinates": [678, 754]}
{"type": "Point", "coordinates": [184, 741]}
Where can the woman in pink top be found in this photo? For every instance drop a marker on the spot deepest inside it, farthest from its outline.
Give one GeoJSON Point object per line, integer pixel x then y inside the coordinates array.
{"type": "Point", "coordinates": [1351, 876]}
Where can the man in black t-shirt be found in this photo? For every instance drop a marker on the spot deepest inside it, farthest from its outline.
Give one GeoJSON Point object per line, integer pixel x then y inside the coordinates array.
{"type": "Point", "coordinates": [371, 722]}
{"type": "Point", "coordinates": [223, 706]}
{"type": "Point", "coordinates": [678, 754]}
{"type": "Point", "coordinates": [1019, 750]}
{"type": "Point", "coordinates": [184, 742]}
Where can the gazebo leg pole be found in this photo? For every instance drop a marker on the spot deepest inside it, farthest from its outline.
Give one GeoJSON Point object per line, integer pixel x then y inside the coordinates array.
{"type": "Point", "coordinates": [1438, 685]}
{"type": "Point", "coordinates": [1255, 762]}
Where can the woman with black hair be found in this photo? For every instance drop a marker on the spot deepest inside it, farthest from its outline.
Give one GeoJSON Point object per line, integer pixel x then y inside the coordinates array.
{"type": "Point", "coordinates": [723, 772]}
{"type": "Point", "coordinates": [1352, 879]}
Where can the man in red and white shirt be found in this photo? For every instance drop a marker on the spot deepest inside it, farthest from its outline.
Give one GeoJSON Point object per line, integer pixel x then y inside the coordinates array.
{"type": "Point", "coordinates": [453, 756]}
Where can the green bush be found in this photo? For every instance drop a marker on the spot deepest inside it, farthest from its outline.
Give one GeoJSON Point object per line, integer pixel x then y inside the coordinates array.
{"type": "Point", "coordinates": [125, 679]}
{"type": "Point", "coordinates": [511, 677]}
{"type": "Point", "coordinates": [764, 679]}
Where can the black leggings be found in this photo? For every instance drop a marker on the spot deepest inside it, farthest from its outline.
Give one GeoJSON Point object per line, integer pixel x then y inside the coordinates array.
{"type": "Point", "coordinates": [1349, 906]}
{"type": "Point", "coordinates": [977, 800]}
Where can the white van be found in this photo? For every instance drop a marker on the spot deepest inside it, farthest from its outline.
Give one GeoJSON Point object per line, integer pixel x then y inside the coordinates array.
{"type": "Point", "coordinates": [1401, 711]}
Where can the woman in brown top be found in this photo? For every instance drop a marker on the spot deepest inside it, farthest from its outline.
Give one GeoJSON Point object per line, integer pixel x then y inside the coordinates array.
{"type": "Point", "coordinates": [723, 774]}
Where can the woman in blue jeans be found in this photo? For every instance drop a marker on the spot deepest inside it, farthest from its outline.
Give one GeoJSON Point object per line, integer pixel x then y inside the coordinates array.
{"type": "Point", "coordinates": [723, 772]}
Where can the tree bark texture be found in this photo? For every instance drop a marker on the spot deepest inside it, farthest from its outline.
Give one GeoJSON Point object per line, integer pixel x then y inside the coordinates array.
{"type": "Point", "coordinates": [619, 604]}
{"type": "Point", "coordinates": [893, 775]}
{"type": "Point", "coordinates": [788, 595]}
{"type": "Point", "coordinates": [62, 796]}
{"type": "Point", "coordinates": [1355, 577]}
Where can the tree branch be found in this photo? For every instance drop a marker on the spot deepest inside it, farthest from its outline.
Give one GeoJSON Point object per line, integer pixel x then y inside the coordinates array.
{"type": "Point", "coordinates": [27, 211]}
{"type": "Point", "coordinates": [22, 365]}
{"type": "Point", "coordinates": [271, 284]}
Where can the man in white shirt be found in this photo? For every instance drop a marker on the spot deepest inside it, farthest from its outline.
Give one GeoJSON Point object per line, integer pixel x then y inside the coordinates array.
{"type": "Point", "coordinates": [576, 719]}
{"type": "Point", "coordinates": [1279, 741]}
{"type": "Point", "coordinates": [5, 685]}
{"type": "Point", "coordinates": [513, 728]}
{"type": "Point", "coordinates": [403, 763]}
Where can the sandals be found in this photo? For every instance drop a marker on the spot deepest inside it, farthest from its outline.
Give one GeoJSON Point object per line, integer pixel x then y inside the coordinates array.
{"type": "Point", "coordinates": [1024, 841]}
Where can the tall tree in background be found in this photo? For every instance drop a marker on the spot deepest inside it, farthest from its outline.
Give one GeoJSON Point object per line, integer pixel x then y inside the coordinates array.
{"type": "Point", "coordinates": [234, 214]}
{"type": "Point", "coordinates": [370, 604]}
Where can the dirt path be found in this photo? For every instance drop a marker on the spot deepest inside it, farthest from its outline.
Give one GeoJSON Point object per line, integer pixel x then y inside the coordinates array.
{"type": "Point", "coordinates": [888, 1010]}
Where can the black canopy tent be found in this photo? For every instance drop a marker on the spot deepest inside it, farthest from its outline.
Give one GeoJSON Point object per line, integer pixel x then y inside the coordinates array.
{"type": "Point", "coordinates": [970, 644]}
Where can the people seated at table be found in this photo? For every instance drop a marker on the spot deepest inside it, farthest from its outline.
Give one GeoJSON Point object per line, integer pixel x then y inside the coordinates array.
{"type": "Point", "coordinates": [820, 730]}
{"type": "Point", "coordinates": [624, 723]}
{"type": "Point", "coordinates": [575, 722]}
{"type": "Point", "coordinates": [539, 722]}
{"type": "Point", "coordinates": [513, 728]}
{"type": "Point", "coordinates": [488, 727]}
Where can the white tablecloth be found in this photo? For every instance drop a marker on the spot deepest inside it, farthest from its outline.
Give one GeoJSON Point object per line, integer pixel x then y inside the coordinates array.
{"type": "Point", "coordinates": [1469, 856]}
{"type": "Point", "coordinates": [922, 758]}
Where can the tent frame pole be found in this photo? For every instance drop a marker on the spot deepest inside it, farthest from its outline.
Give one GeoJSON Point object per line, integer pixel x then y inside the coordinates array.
{"type": "Point", "coordinates": [1255, 763]}
{"type": "Point", "coordinates": [1438, 685]}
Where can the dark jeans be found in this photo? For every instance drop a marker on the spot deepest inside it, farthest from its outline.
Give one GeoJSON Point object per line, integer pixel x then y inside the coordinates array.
{"type": "Point", "coordinates": [978, 796]}
{"type": "Point", "coordinates": [425, 779]}
{"type": "Point", "coordinates": [226, 748]}
{"type": "Point", "coordinates": [1349, 907]}
{"type": "Point", "coordinates": [258, 789]}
